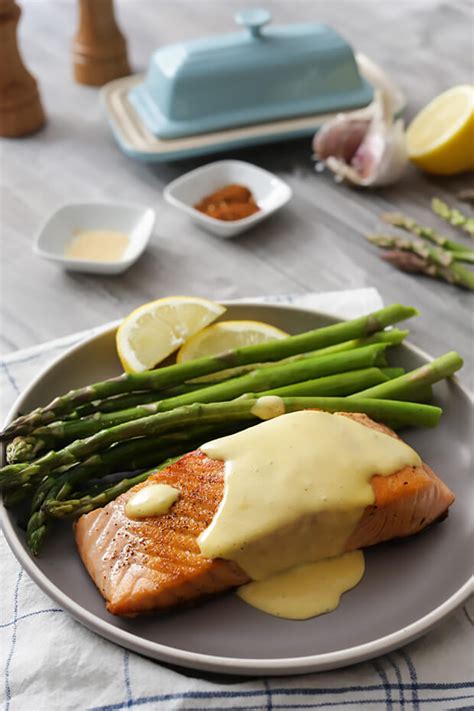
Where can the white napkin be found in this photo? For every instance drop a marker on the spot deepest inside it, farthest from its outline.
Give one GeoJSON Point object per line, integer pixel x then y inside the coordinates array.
{"type": "Point", "coordinates": [48, 661]}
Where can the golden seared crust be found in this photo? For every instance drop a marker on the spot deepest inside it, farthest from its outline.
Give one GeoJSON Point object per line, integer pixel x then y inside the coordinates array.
{"type": "Point", "coordinates": [155, 563]}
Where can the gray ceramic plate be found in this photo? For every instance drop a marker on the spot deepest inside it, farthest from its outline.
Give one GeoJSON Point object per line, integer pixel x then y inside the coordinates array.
{"type": "Point", "coordinates": [408, 587]}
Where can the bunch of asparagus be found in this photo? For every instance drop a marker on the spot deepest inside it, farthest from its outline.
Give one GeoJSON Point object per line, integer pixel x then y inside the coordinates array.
{"type": "Point", "coordinates": [61, 457]}
{"type": "Point", "coordinates": [441, 261]}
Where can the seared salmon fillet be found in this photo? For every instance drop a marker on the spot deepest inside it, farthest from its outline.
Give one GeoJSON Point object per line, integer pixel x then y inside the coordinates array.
{"type": "Point", "coordinates": [155, 563]}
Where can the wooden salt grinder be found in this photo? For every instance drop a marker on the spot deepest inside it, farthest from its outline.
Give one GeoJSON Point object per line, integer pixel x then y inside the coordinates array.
{"type": "Point", "coordinates": [21, 111]}
{"type": "Point", "coordinates": [99, 50]}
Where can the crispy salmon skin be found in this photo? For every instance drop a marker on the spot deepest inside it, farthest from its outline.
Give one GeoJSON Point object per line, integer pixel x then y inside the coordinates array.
{"type": "Point", "coordinates": [155, 563]}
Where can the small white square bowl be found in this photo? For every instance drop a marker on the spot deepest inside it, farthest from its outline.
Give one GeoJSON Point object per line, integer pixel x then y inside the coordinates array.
{"type": "Point", "coordinates": [136, 221]}
{"type": "Point", "coordinates": [269, 191]}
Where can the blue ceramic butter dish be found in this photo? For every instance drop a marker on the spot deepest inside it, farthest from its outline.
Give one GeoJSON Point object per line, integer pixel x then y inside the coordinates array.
{"type": "Point", "coordinates": [248, 77]}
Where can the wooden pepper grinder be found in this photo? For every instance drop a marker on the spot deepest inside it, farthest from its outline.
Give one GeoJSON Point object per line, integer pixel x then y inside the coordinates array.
{"type": "Point", "coordinates": [21, 111]}
{"type": "Point", "coordinates": [100, 49]}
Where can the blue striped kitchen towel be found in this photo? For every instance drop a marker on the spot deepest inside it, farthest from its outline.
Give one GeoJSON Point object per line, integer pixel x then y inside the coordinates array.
{"type": "Point", "coordinates": [50, 662]}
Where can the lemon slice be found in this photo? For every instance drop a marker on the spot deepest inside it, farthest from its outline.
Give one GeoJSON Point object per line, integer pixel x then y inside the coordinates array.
{"type": "Point", "coordinates": [440, 139]}
{"type": "Point", "coordinates": [225, 336]}
{"type": "Point", "coordinates": [153, 331]}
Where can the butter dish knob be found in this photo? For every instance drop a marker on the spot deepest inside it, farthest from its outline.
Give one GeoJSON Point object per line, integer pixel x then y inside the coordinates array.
{"type": "Point", "coordinates": [253, 18]}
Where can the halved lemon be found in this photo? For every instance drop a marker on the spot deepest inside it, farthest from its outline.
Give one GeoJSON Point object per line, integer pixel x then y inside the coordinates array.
{"type": "Point", "coordinates": [440, 139]}
{"type": "Point", "coordinates": [155, 330]}
{"type": "Point", "coordinates": [225, 336]}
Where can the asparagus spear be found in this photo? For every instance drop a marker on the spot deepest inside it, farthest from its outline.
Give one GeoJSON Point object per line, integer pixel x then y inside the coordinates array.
{"type": "Point", "coordinates": [430, 373]}
{"type": "Point", "coordinates": [337, 385]}
{"type": "Point", "coordinates": [129, 455]}
{"type": "Point", "coordinates": [397, 412]}
{"type": "Point", "coordinates": [342, 385]}
{"type": "Point", "coordinates": [392, 337]}
{"type": "Point", "coordinates": [441, 260]}
{"type": "Point", "coordinates": [453, 216]}
{"type": "Point", "coordinates": [397, 219]}
{"type": "Point", "coordinates": [124, 456]}
{"type": "Point", "coordinates": [111, 404]}
{"type": "Point", "coordinates": [225, 413]}
{"type": "Point", "coordinates": [255, 381]}
{"type": "Point", "coordinates": [428, 414]}
{"type": "Point", "coordinates": [132, 455]}
{"type": "Point", "coordinates": [114, 457]}
{"type": "Point", "coordinates": [465, 256]}
{"type": "Point", "coordinates": [177, 374]}
{"type": "Point", "coordinates": [23, 449]}
{"type": "Point", "coordinates": [413, 264]}
{"type": "Point", "coordinates": [392, 372]}
{"type": "Point", "coordinates": [422, 393]}
{"type": "Point", "coordinates": [77, 507]}
{"type": "Point", "coordinates": [62, 487]}
{"type": "Point", "coordinates": [39, 524]}
{"type": "Point", "coordinates": [332, 385]}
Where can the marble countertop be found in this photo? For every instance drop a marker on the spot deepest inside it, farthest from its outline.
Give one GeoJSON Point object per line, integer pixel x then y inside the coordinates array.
{"type": "Point", "coordinates": [315, 244]}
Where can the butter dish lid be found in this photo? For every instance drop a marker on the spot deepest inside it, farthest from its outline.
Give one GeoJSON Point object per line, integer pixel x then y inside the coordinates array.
{"type": "Point", "coordinates": [259, 74]}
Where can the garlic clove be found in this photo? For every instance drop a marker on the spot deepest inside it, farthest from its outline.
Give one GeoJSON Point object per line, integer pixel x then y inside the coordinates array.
{"type": "Point", "coordinates": [340, 138]}
{"type": "Point", "coordinates": [366, 152]}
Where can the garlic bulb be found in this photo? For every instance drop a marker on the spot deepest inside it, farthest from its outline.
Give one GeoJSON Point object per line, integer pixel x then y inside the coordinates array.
{"type": "Point", "coordinates": [366, 149]}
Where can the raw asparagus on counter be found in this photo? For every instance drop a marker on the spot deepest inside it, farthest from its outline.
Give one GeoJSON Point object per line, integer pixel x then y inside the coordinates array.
{"type": "Point", "coordinates": [453, 216]}
{"type": "Point", "coordinates": [443, 263]}
{"type": "Point", "coordinates": [398, 219]}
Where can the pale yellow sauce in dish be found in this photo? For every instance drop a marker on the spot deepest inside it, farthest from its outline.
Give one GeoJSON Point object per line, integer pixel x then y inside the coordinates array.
{"type": "Point", "coordinates": [295, 488]}
{"type": "Point", "coordinates": [97, 245]}
{"type": "Point", "coordinates": [151, 500]}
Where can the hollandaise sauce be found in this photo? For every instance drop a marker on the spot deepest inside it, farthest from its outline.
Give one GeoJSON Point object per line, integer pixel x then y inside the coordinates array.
{"type": "Point", "coordinates": [151, 500]}
{"type": "Point", "coordinates": [295, 489]}
{"type": "Point", "coordinates": [306, 590]}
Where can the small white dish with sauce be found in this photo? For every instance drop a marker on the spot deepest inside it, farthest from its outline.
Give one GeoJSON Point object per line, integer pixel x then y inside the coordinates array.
{"type": "Point", "coordinates": [269, 192]}
{"type": "Point", "coordinates": [97, 238]}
